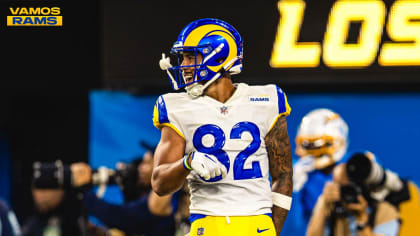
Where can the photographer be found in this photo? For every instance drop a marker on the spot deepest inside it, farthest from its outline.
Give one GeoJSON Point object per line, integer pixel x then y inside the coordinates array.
{"type": "Point", "coordinates": [147, 215]}
{"type": "Point", "coordinates": [345, 208]}
{"type": "Point", "coordinates": [386, 185]}
{"type": "Point", "coordinates": [58, 209]}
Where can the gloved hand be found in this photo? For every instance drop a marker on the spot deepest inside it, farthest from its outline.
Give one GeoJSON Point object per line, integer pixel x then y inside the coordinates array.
{"type": "Point", "coordinates": [207, 165]}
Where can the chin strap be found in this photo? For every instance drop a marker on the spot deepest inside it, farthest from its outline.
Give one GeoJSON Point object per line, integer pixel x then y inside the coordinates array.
{"type": "Point", "coordinates": [195, 90]}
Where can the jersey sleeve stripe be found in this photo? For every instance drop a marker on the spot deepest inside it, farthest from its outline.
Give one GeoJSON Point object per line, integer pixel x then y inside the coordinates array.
{"type": "Point", "coordinates": [288, 108]}
{"type": "Point", "coordinates": [163, 113]}
{"type": "Point", "coordinates": [173, 127]}
{"type": "Point", "coordinates": [284, 108]}
{"type": "Point", "coordinates": [160, 116]}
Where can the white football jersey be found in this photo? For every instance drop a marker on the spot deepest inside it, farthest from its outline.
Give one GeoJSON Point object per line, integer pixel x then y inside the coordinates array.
{"type": "Point", "coordinates": [234, 132]}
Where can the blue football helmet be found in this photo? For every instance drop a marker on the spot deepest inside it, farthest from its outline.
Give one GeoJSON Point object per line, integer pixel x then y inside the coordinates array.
{"type": "Point", "coordinates": [220, 46]}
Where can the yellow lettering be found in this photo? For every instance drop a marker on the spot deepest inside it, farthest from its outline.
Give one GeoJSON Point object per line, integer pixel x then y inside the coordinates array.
{"type": "Point", "coordinates": [34, 11]}
{"type": "Point", "coordinates": [45, 11]}
{"type": "Point", "coordinates": [55, 11]}
{"type": "Point", "coordinates": [287, 52]}
{"type": "Point", "coordinates": [23, 11]}
{"type": "Point", "coordinates": [14, 11]}
{"type": "Point", "coordinates": [403, 25]}
{"type": "Point", "coordinates": [336, 52]}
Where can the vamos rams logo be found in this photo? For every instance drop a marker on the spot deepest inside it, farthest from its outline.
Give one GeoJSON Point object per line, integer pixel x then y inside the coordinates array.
{"type": "Point", "coordinates": [34, 16]}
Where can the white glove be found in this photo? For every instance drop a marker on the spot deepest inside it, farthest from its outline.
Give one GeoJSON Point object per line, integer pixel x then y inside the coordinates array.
{"type": "Point", "coordinates": [207, 165]}
{"type": "Point", "coordinates": [165, 62]}
{"type": "Point", "coordinates": [300, 172]}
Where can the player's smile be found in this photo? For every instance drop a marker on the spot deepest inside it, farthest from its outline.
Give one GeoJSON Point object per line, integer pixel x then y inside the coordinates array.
{"type": "Point", "coordinates": [188, 76]}
{"type": "Point", "coordinates": [189, 60]}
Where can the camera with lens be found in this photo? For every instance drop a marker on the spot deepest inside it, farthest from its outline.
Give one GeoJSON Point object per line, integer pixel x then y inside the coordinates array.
{"type": "Point", "coordinates": [349, 193]}
{"type": "Point", "coordinates": [58, 175]}
{"type": "Point", "coordinates": [381, 184]}
{"type": "Point", "coordinates": [51, 175]}
{"type": "Point", "coordinates": [363, 169]}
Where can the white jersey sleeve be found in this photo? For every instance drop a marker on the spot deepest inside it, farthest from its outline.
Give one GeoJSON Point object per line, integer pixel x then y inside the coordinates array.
{"type": "Point", "coordinates": [161, 117]}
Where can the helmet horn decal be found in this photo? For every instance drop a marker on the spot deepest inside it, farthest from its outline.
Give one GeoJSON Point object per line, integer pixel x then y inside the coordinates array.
{"type": "Point", "coordinates": [232, 51]}
{"type": "Point", "coordinates": [198, 34]}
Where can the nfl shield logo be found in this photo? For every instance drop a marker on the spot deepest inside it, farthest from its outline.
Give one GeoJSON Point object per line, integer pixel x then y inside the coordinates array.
{"type": "Point", "coordinates": [224, 110]}
{"type": "Point", "coordinates": [200, 231]}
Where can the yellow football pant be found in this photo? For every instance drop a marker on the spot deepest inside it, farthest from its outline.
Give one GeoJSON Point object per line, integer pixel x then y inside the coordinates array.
{"type": "Point", "coordinates": [260, 225]}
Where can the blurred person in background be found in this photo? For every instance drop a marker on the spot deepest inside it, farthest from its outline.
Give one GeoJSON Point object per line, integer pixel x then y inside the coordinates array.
{"type": "Point", "coordinates": [226, 139]}
{"type": "Point", "coordinates": [9, 225]}
{"type": "Point", "coordinates": [347, 208]}
{"type": "Point", "coordinates": [146, 214]}
{"type": "Point", "coordinates": [58, 212]}
{"type": "Point", "coordinates": [321, 143]}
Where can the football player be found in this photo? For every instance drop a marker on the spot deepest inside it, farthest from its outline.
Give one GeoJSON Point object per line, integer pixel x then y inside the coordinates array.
{"type": "Point", "coordinates": [226, 139]}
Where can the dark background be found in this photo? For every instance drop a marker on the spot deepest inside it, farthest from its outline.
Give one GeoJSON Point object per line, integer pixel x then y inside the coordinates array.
{"type": "Point", "coordinates": [47, 73]}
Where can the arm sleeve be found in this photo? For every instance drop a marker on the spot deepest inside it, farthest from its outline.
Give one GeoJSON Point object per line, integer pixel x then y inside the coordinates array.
{"type": "Point", "coordinates": [133, 217]}
{"type": "Point", "coordinates": [161, 117]}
